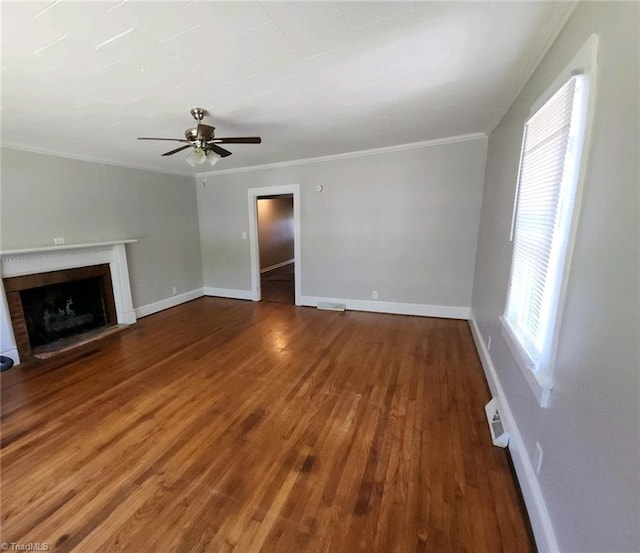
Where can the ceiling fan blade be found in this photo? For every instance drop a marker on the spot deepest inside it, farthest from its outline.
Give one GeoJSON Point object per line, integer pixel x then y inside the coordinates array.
{"type": "Point", "coordinates": [171, 139]}
{"type": "Point", "coordinates": [218, 150]}
{"type": "Point", "coordinates": [177, 150]}
{"type": "Point", "coordinates": [205, 132]}
{"type": "Point", "coordinates": [238, 140]}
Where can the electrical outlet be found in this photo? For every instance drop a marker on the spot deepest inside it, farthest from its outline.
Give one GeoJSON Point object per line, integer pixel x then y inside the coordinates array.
{"type": "Point", "coordinates": [174, 290]}
{"type": "Point", "coordinates": [374, 295]}
{"type": "Point", "coordinates": [58, 241]}
{"type": "Point", "coordinates": [244, 235]}
{"type": "Point", "coordinates": [489, 344]}
{"type": "Point", "coordinates": [537, 462]}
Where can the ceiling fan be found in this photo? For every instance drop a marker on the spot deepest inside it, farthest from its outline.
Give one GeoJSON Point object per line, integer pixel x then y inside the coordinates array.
{"type": "Point", "coordinates": [203, 141]}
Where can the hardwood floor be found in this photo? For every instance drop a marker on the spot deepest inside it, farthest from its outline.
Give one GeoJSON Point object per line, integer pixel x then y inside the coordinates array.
{"type": "Point", "coordinates": [278, 285]}
{"type": "Point", "coordinates": [223, 425]}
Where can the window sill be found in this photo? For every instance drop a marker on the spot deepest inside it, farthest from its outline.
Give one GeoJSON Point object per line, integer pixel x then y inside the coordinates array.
{"type": "Point", "coordinates": [540, 386]}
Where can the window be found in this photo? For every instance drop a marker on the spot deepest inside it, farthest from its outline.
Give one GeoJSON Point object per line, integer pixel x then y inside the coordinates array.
{"type": "Point", "coordinates": [543, 222]}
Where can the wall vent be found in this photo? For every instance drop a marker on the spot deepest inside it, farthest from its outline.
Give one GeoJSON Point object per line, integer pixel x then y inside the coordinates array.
{"type": "Point", "coordinates": [499, 436]}
{"type": "Point", "coordinates": [330, 306]}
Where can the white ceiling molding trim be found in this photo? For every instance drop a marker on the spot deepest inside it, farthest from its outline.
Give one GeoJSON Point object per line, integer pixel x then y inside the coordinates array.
{"type": "Point", "coordinates": [544, 42]}
{"type": "Point", "coordinates": [91, 159]}
{"type": "Point", "coordinates": [349, 155]}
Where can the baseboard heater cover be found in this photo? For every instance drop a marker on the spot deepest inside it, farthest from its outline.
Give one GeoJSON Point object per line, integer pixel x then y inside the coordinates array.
{"type": "Point", "coordinates": [331, 306]}
{"type": "Point", "coordinates": [499, 436]}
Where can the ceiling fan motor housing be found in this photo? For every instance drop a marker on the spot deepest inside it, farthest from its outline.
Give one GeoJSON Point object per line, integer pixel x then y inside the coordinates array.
{"type": "Point", "coordinates": [200, 135]}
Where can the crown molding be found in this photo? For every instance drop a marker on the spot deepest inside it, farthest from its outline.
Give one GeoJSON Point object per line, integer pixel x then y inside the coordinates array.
{"type": "Point", "coordinates": [544, 41]}
{"type": "Point", "coordinates": [290, 163]}
{"type": "Point", "coordinates": [348, 155]}
{"type": "Point", "coordinates": [90, 159]}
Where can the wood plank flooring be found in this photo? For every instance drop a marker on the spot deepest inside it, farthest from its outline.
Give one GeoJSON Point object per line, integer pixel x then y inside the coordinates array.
{"type": "Point", "coordinates": [230, 426]}
{"type": "Point", "coordinates": [278, 285]}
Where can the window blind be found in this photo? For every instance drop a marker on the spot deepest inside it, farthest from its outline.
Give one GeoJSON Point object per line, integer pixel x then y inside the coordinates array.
{"type": "Point", "coordinates": [539, 212]}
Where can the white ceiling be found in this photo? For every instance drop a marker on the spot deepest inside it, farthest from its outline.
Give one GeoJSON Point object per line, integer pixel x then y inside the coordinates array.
{"type": "Point", "coordinates": [310, 78]}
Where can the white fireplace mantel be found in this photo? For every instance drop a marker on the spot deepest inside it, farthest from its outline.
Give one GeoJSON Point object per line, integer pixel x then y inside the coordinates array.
{"type": "Point", "coordinates": [56, 258]}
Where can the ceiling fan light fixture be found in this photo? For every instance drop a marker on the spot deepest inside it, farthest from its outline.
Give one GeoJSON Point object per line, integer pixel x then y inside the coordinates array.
{"type": "Point", "coordinates": [212, 158]}
{"type": "Point", "coordinates": [206, 146]}
{"type": "Point", "coordinates": [197, 157]}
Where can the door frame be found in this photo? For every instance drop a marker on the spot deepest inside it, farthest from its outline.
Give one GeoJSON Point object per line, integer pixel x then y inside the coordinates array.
{"type": "Point", "coordinates": [252, 196]}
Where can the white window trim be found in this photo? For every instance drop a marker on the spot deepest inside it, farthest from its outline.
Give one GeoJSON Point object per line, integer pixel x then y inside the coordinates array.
{"type": "Point", "coordinates": [541, 380]}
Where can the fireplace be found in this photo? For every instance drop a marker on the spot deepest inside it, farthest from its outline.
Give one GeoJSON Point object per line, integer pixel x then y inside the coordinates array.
{"type": "Point", "coordinates": [27, 275]}
{"type": "Point", "coordinates": [62, 310]}
{"type": "Point", "coordinates": [52, 310]}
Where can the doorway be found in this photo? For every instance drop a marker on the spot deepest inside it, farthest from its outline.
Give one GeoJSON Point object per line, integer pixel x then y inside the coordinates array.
{"type": "Point", "coordinates": [274, 228]}
{"type": "Point", "coordinates": [275, 248]}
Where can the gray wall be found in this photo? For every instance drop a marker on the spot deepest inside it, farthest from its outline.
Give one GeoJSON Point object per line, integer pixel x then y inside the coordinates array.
{"type": "Point", "coordinates": [404, 223]}
{"type": "Point", "coordinates": [275, 230]}
{"type": "Point", "coordinates": [45, 197]}
{"type": "Point", "coordinates": [590, 475]}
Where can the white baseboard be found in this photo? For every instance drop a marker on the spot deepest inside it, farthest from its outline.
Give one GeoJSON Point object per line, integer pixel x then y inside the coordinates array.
{"type": "Point", "coordinates": [422, 310]}
{"type": "Point", "coordinates": [230, 293]}
{"type": "Point", "coordinates": [166, 303]}
{"type": "Point", "coordinates": [277, 266]}
{"type": "Point", "coordinates": [130, 317]}
{"type": "Point", "coordinates": [534, 500]}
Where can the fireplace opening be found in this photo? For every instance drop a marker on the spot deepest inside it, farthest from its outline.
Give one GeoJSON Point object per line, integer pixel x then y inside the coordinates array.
{"type": "Point", "coordinates": [61, 310]}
